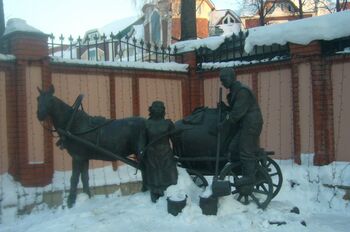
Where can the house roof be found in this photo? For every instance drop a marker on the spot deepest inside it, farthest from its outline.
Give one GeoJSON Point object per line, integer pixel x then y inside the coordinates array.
{"type": "Point", "coordinates": [210, 4]}
{"type": "Point", "coordinates": [216, 16]}
{"type": "Point", "coordinates": [120, 27]}
{"type": "Point", "coordinates": [251, 10]}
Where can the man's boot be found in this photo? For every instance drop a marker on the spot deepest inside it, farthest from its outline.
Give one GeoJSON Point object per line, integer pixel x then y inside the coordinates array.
{"type": "Point", "coordinates": [248, 174]}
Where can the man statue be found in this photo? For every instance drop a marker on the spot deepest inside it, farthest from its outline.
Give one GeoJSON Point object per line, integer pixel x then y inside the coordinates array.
{"type": "Point", "coordinates": [244, 114]}
{"type": "Point", "coordinates": [159, 162]}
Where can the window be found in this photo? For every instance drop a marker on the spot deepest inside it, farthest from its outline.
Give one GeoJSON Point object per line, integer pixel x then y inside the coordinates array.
{"type": "Point", "coordinates": [228, 19]}
{"type": "Point", "coordinates": [92, 54]}
{"type": "Point", "coordinates": [92, 36]}
{"type": "Point", "coordinates": [290, 8]}
{"type": "Point", "coordinates": [282, 6]}
{"type": "Point", "coordinates": [155, 31]}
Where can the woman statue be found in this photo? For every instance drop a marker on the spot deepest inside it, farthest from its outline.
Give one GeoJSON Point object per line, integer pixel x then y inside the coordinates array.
{"type": "Point", "coordinates": [159, 163]}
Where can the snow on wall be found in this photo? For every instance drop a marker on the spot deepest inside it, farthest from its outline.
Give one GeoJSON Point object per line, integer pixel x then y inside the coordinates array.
{"type": "Point", "coordinates": [171, 66]}
{"type": "Point", "coordinates": [189, 45]}
{"type": "Point", "coordinates": [237, 63]}
{"type": "Point", "coordinates": [4, 57]}
{"type": "Point", "coordinates": [327, 27]}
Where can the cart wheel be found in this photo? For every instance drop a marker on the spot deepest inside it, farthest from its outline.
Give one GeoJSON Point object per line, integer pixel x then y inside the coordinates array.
{"type": "Point", "coordinates": [198, 178]}
{"type": "Point", "coordinates": [275, 173]}
{"type": "Point", "coordinates": [261, 193]}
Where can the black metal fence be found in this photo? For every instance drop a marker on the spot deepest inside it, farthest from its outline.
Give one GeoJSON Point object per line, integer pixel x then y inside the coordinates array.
{"type": "Point", "coordinates": [112, 48]}
{"type": "Point", "coordinates": [232, 49]}
{"type": "Point", "coordinates": [337, 46]}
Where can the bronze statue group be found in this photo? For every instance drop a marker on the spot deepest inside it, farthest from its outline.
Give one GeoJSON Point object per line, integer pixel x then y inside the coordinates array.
{"type": "Point", "coordinates": [158, 161]}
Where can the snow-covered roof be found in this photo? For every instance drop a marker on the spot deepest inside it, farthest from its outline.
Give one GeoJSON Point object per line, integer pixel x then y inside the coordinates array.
{"type": "Point", "coordinates": [117, 25]}
{"type": "Point", "coordinates": [19, 25]}
{"type": "Point", "coordinates": [326, 27]}
{"type": "Point", "coordinates": [170, 66]}
{"type": "Point", "coordinates": [210, 4]}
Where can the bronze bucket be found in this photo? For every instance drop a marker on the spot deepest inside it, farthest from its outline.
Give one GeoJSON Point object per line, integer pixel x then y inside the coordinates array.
{"type": "Point", "coordinates": [221, 188]}
{"type": "Point", "coordinates": [176, 206]}
{"type": "Point", "coordinates": [209, 205]}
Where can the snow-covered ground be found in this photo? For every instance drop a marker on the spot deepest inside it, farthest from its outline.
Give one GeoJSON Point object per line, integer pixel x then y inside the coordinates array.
{"type": "Point", "coordinates": [321, 208]}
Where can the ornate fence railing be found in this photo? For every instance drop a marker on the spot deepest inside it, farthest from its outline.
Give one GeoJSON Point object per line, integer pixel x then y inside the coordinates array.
{"type": "Point", "coordinates": [232, 49]}
{"type": "Point", "coordinates": [111, 48]}
{"type": "Point", "coordinates": [336, 46]}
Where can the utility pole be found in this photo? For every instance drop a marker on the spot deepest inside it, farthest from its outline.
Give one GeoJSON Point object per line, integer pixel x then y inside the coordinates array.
{"type": "Point", "coordinates": [301, 11]}
{"type": "Point", "coordinates": [337, 6]}
{"type": "Point", "coordinates": [188, 20]}
{"type": "Point", "coordinates": [2, 18]}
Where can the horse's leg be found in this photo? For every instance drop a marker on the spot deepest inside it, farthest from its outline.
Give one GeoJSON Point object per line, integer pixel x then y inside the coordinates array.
{"type": "Point", "coordinates": [84, 170]}
{"type": "Point", "coordinates": [74, 182]}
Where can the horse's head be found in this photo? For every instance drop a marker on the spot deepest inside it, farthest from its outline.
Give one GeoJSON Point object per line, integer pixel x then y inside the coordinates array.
{"type": "Point", "coordinates": [45, 99]}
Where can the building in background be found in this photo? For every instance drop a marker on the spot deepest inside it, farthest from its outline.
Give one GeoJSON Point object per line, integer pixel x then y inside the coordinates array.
{"type": "Point", "coordinates": [281, 11]}
{"type": "Point", "coordinates": [224, 22]}
{"type": "Point", "coordinates": [159, 25]}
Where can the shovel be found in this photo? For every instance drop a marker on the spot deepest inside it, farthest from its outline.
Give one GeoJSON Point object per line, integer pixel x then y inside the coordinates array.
{"type": "Point", "coordinates": [220, 188]}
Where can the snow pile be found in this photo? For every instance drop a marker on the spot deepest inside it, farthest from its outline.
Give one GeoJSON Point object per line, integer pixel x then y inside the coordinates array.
{"type": "Point", "coordinates": [171, 66]}
{"type": "Point", "coordinates": [334, 174]}
{"type": "Point", "coordinates": [345, 51]}
{"type": "Point", "coordinates": [4, 57]}
{"type": "Point", "coordinates": [189, 45]}
{"type": "Point", "coordinates": [327, 27]}
{"type": "Point", "coordinates": [16, 24]}
{"type": "Point", "coordinates": [14, 195]}
{"type": "Point", "coordinates": [303, 204]}
{"type": "Point", "coordinates": [218, 65]}
{"type": "Point", "coordinates": [185, 187]}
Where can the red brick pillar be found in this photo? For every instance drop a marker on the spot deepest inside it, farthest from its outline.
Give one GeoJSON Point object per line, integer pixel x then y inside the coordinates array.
{"type": "Point", "coordinates": [322, 99]}
{"type": "Point", "coordinates": [29, 46]}
{"type": "Point", "coordinates": [296, 109]}
{"type": "Point", "coordinates": [192, 88]}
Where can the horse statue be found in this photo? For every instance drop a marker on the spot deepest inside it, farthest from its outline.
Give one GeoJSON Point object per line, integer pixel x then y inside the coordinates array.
{"type": "Point", "coordinates": [121, 137]}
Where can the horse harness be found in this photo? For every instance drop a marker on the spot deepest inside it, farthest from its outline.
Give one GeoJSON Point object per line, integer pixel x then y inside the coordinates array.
{"type": "Point", "coordinates": [77, 104]}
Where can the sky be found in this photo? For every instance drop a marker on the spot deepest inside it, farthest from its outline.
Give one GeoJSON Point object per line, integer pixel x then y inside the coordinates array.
{"type": "Point", "coordinates": [75, 17]}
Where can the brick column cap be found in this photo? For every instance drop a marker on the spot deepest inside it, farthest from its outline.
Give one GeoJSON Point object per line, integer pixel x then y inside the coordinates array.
{"type": "Point", "coordinates": [24, 41]}
{"type": "Point", "coordinates": [17, 25]}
